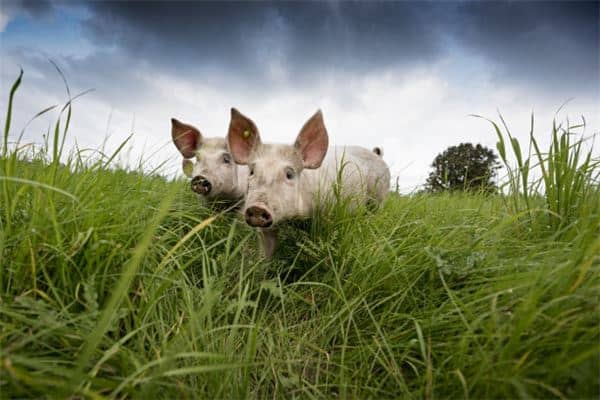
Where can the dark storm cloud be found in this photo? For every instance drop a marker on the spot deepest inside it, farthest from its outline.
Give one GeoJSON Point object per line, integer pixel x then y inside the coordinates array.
{"type": "Point", "coordinates": [553, 44]}
{"type": "Point", "coordinates": [37, 9]}
{"type": "Point", "coordinates": [533, 43]}
{"type": "Point", "coordinates": [246, 38]}
{"type": "Point", "coordinates": [540, 45]}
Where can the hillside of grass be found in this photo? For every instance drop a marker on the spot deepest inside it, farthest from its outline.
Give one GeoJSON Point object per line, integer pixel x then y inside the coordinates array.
{"type": "Point", "coordinates": [120, 284]}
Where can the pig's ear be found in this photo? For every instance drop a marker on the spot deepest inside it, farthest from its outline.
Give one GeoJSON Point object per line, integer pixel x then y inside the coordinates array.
{"type": "Point", "coordinates": [312, 141]}
{"type": "Point", "coordinates": [242, 138]}
{"type": "Point", "coordinates": [187, 138]}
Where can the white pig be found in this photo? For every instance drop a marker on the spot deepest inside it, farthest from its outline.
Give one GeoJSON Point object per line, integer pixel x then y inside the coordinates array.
{"type": "Point", "coordinates": [215, 177]}
{"type": "Point", "coordinates": [289, 181]}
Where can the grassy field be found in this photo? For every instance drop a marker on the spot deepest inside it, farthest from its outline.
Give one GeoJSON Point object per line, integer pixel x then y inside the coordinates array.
{"type": "Point", "coordinates": [120, 284]}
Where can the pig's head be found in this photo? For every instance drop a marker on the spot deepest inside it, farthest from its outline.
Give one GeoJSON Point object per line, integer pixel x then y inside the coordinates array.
{"type": "Point", "coordinates": [207, 162]}
{"type": "Point", "coordinates": [277, 188]}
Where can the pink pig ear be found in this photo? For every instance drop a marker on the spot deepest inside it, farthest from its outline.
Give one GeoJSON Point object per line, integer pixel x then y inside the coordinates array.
{"type": "Point", "coordinates": [243, 137]}
{"type": "Point", "coordinates": [312, 141]}
{"type": "Point", "coordinates": [187, 139]}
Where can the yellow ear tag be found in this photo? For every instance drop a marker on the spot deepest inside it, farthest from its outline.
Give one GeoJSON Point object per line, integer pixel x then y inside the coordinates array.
{"type": "Point", "coordinates": [246, 134]}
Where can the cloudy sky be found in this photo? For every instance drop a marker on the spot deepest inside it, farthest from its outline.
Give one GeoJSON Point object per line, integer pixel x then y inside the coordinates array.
{"type": "Point", "coordinates": [402, 75]}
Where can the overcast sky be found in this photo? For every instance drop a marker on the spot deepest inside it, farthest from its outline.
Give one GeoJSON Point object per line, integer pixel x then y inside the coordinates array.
{"type": "Point", "coordinates": [402, 75]}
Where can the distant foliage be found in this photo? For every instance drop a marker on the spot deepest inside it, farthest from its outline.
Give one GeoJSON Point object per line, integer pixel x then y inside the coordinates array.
{"type": "Point", "coordinates": [463, 167]}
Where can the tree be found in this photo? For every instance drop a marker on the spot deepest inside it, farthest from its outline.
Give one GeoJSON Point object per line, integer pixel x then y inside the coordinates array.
{"type": "Point", "coordinates": [463, 167]}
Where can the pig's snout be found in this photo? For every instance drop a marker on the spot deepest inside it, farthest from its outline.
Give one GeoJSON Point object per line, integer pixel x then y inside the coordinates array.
{"type": "Point", "coordinates": [258, 217]}
{"type": "Point", "coordinates": [201, 185]}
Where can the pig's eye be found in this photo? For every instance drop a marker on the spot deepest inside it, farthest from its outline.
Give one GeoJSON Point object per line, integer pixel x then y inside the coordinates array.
{"type": "Point", "coordinates": [226, 158]}
{"type": "Point", "coordinates": [289, 173]}
{"type": "Point", "coordinates": [251, 170]}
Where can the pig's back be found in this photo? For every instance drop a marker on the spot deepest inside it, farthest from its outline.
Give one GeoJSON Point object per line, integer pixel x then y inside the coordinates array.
{"type": "Point", "coordinates": [364, 174]}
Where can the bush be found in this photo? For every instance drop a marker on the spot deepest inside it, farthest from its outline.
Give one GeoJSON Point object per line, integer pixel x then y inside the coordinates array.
{"type": "Point", "coordinates": [463, 167]}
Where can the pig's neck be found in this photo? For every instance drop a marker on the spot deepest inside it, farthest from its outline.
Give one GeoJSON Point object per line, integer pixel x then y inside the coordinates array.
{"type": "Point", "coordinates": [315, 184]}
{"type": "Point", "coordinates": [318, 183]}
{"type": "Point", "coordinates": [306, 193]}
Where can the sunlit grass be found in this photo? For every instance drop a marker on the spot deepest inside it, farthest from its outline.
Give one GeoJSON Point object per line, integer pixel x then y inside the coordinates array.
{"type": "Point", "coordinates": [115, 283]}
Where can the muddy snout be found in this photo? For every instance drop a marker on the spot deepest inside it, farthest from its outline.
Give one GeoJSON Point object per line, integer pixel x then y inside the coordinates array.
{"type": "Point", "coordinates": [201, 185]}
{"type": "Point", "coordinates": [258, 216]}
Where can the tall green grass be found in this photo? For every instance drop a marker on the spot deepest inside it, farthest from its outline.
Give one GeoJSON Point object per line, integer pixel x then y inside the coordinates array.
{"type": "Point", "coordinates": [118, 284]}
{"type": "Point", "coordinates": [569, 175]}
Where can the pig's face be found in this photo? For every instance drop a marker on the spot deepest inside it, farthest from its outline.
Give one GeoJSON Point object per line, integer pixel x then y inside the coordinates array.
{"type": "Point", "coordinates": [276, 188]}
{"type": "Point", "coordinates": [274, 191]}
{"type": "Point", "coordinates": [207, 162]}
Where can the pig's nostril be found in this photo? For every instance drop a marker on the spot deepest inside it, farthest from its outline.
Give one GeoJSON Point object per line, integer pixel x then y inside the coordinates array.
{"type": "Point", "coordinates": [201, 185]}
{"type": "Point", "coordinates": [257, 216]}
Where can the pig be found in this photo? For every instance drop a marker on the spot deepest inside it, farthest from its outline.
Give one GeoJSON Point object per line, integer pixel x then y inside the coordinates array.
{"type": "Point", "coordinates": [208, 162]}
{"type": "Point", "coordinates": [291, 181]}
